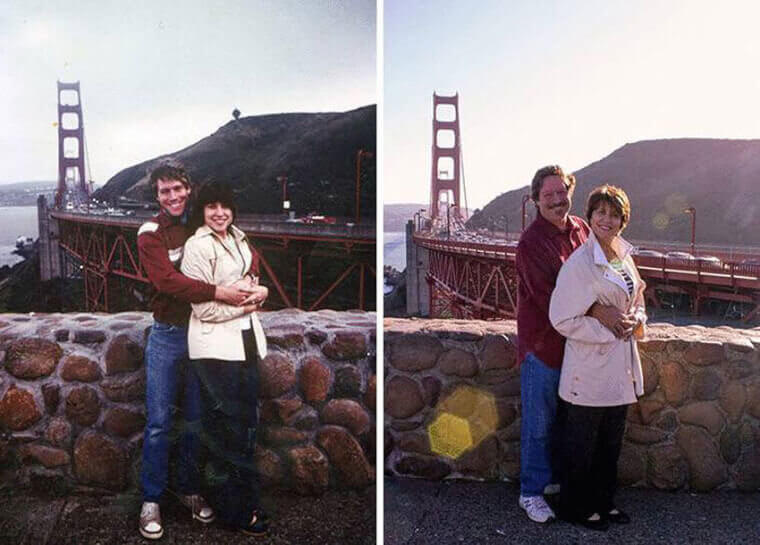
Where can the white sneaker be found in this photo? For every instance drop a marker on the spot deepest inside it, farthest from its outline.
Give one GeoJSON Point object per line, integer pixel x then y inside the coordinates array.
{"type": "Point", "coordinates": [537, 509]}
{"type": "Point", "coordinates": [150, 521]}
{"type": "Point", "coordinates": [551, 489]}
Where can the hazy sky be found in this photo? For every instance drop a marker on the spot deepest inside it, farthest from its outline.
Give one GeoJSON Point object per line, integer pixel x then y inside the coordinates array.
{"type": "Point", "coordinates": [561, 82]}
{"type": "Point", "coordinates": [158, 76]}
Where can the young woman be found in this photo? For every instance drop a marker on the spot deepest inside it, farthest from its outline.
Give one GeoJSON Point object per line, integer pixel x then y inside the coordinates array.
{"type": "Point", "coordinates": [224, 342]}
{"type": "Point", "coordinates": [601, 370]}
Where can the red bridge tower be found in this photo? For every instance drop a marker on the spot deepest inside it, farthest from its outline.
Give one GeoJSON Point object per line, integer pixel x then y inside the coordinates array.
{"type": "Point", "coordinates": [446, 164]}
{"type": "Point", "coordinates": [70, 143]}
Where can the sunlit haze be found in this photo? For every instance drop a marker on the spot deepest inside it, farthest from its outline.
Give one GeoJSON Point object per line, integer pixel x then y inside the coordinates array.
{"type": "Point", "coordinates": [158, 76]}
{"type": "Point", "coordinates": [561, 82]}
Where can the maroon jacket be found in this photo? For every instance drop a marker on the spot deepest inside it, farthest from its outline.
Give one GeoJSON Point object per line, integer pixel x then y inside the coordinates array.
{"type": "Point", "coordinates": [160, 245]}
{"type": "Point", "coordinates": [540, 254]}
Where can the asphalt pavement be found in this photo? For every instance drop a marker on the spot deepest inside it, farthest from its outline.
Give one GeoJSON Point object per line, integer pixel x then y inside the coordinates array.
{"type": "Point", "coordinates": [421, 512]}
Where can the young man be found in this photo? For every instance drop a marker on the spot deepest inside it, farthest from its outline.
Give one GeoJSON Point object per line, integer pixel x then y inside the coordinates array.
{"type": "Point", "coordinates": [160, 245]}
{"type": "Point", "coordinates": [543, 248]}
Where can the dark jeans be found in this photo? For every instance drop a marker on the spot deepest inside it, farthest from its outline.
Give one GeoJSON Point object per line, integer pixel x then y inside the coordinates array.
{"type": "Point", "coordinates": [229, 391]}
{"type": "Point", "coordinates": [169, 377]}
{"type": "Point", "coordinates": [591, 445]}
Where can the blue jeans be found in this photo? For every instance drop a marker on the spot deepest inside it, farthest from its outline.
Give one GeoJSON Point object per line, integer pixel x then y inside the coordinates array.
{"type": "Point", "coordinates": [538, 395]}
{"type": "Point", "coordinates": [168, 374]}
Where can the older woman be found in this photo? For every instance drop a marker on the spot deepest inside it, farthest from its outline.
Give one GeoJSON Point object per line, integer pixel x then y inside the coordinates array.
{"type": "Point", "coordinates": [224, 342]}
{"type": "Point", "coordinates": [601, 372]}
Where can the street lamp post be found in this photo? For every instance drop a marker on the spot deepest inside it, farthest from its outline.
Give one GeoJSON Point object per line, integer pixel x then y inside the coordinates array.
{"type": "Point", "coordinates": [525, 200]}
{"type": "Point", "coordinates": [359, 154]}
{"type": "Point", "coordinates": [693, 212]}
{"type": "Point", "coordinates": [419, 217]}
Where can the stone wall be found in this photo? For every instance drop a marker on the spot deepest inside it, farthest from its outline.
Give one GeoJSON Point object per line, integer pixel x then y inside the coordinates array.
{"type": "Point", "coordinates": [697, 427]}
{"type": "Point", "coordinates": [72, 390]}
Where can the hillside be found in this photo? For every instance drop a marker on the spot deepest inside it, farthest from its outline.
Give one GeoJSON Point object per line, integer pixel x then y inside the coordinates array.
{"type": "Point", "coordinates": [317, 151]}
{"type": "Point", "coordinates": [720, 178]}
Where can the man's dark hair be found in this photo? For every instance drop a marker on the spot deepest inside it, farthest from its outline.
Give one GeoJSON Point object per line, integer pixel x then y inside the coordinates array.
{"type": "Point", "coordinates": [166, 172]}
{"type": "Point", "coordinates": [545, 172]}
{"type": "Point", "coordinates": [210, 193]}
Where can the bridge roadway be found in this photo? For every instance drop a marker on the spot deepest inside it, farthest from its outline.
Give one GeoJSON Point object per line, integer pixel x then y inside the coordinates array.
{"type": "Point", "coordinates": [477, 278]}
{"type": "Point", "coordinates": [293, 255]}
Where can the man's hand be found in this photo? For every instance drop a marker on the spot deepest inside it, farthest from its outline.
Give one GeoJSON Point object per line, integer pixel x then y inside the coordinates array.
{"type": "Point", "coordinates": [257, 297]}
{"type": "Point", "coordinates": [234, 294]}
{"type": "Point", "coordinates": [612, 318]}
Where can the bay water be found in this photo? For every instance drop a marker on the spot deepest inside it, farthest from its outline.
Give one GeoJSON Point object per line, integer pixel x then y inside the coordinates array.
{"type": "Point", "coordinates": [15, 221]}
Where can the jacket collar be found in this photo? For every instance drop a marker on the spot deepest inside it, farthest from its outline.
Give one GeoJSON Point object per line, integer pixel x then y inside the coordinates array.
{"type": "Point", "coordinates": [165, 219]}
{"type": "Point", "coordinates": [551, 230]}
{"type": "Point", "coordinates": [621, 246]}
{"type": "Point", "coordinates": [205, 230]}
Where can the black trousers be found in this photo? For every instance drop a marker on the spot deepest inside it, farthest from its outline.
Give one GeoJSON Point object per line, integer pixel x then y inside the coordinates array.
{"type": "Point", "coordinates": [592, 439]}
{"type": "Point", "coordinates": [229, 391]}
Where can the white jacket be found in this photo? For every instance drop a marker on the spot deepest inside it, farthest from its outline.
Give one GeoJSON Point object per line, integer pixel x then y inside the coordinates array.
{"type": "Point", "coordinates": [215, 327]}
{"type": "Point", "coordinates": [599, 369]}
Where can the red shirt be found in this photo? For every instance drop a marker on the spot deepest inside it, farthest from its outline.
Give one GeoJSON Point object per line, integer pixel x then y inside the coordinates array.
{"type": "Point", "coordinates": [160, 244]}
{"type": "Point", "coordinates": [542, 250]}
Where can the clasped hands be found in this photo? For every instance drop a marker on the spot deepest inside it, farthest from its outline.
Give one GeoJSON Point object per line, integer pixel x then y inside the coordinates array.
{"type": "Point", "coordinates": [246, 293]}
{"type": "Point", "coordinates": [620, 323]}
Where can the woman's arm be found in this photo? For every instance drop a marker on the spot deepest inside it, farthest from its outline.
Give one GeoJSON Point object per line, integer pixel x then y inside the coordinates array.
{"type": "Point", "coordinates": [195, 265]}
{"type": "Point", "coordinates": [573, 295]}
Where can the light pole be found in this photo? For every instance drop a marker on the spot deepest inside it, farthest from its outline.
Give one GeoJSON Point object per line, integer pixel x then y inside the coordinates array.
{"type": "Point", "coordinates": [284, 181]}
{"type": "Point", "coordinates": [419, 218]}
{"type": "Point", "coordinates": [693, 212]}
{"type": "Point", "coordinates": [525, 199]}
{"type": "Point", "coordinates": [359, 154]}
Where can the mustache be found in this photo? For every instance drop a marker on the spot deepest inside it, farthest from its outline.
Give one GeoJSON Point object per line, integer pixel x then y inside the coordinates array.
{"type": "Point", "coordinates": [560, 205]}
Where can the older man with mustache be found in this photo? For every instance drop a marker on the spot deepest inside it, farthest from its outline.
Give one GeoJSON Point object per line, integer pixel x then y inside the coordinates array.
{"type": "Point", "coordinates": [543, 248]}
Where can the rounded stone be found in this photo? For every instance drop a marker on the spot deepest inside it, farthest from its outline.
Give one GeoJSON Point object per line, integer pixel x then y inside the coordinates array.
{"type": "Point", "coordinates": [287, 336]}
{"type": "Point", "coordinates": [83, 406]}
{"type": "Point", "coordinates": [666, 467]}
{"type": "Point", "coordinates": [459, 363]}
{"type": "Point", "coordinates": [47, 456]}
{"type": "Point", "coordinates": [58, 432]}
{"type": "Point", "coordinates": [432, 390]}
{"type": "Point", "coordinates": [741, 369]}
{"type": "Point", "coordinates": [748, 471]}
{"type": "Point", "coordinates": [650, 374]}
{"type": "Point", "coordinates": [281, 410]}
{"type": "Point", "coordinates": [706, 385]}
{"type": "Point", "coordinates": [100, 461]}
{"type": "Point", "coordinates": [704, 414]}
{"type": "Point", "coordinates": [81, 369]}
{"type": "Point", "coordinates": [348, 382]}
{"type": "Point", "coordinates": [730, 445]}
{"type": "Point", "coordinates": [370, 396]}
{"type": "Point", "coordinates": [347, 413]}
{"type": "Point", "coordinates": [123, 355]}
{"type": "Point", "coordinates": [314, 380]}
{"type": "Point", "coordinates": [414, 442]}
{"type": "Point", "coordinates": [631, 465]}
{"type": "Point", "coordinates": [403, 397]}
{"type": "Point", "coordinates": [284, 435]}
{"type": "Point", "coordinates": [346, 345]}
{"type": "Point", "coordinates": [498, 353]}
{"type": "Point", "coordinates": [649, 409]}
{"type": "Point", "coordinates": [277, 375]}
{"type": "Point", "coordinates": [309, 469]}
{"type": "Point", "coordinates": [89, 336]}
{"type": "Point", "coordinates": [32, 358]}
{"type": "Point", "coordinates": [674, 381]}
{"type": "Point", "coordinates": [269, 467]}
{"type": "Point", "coordinates": [706, 468]}
{"type": "Point", "coordinates": [18, 410]}
{"type": "Point", "coordinates": [346, 456]}
{"type": "Point", "coordinates": [644, 435]}
{"type": "Point", "coordinates": [423, 466]}
{"type": "Point", "coordinates": [51, 394]}
{"type": "Point", "coordinates": [753, 400]}
{"type": "Point", "coordinates": [704, 353]}
{"type": "Point", "coordinates": [415, 352]}
{"type": "Point", "coordinates": [733, 398]}
{"type": "Point", "coordinates": [124, 387]}
{"type": "Point", "coordinates": [482, 461]}
{"type": "Point", "coordinates": [123, 422]}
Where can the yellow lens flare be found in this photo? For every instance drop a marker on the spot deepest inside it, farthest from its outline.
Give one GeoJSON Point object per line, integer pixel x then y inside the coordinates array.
{"type": "Point", "coordinates": [463, 419]}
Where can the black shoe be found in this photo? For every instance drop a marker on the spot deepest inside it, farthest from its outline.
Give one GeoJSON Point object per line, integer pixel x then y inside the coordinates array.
{"type": "Point", "coordinates": [618, 517]}
{"type": "Point", "coordinates": [257, 527]}
{"type": "Point", "coordinates": [599, 525]}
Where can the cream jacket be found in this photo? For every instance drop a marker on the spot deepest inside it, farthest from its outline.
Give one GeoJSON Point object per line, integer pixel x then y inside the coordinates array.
{"type": "Point", "coordinates": [215, 327]}
{"type": "Point", "coordinates": [599, 369]}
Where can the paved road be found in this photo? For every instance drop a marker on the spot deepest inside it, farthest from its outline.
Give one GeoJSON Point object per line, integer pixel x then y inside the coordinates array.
{"type": "Point", "coordinates": [27, 518]}
{"type": "Point", "coordinates": [421, 512]}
